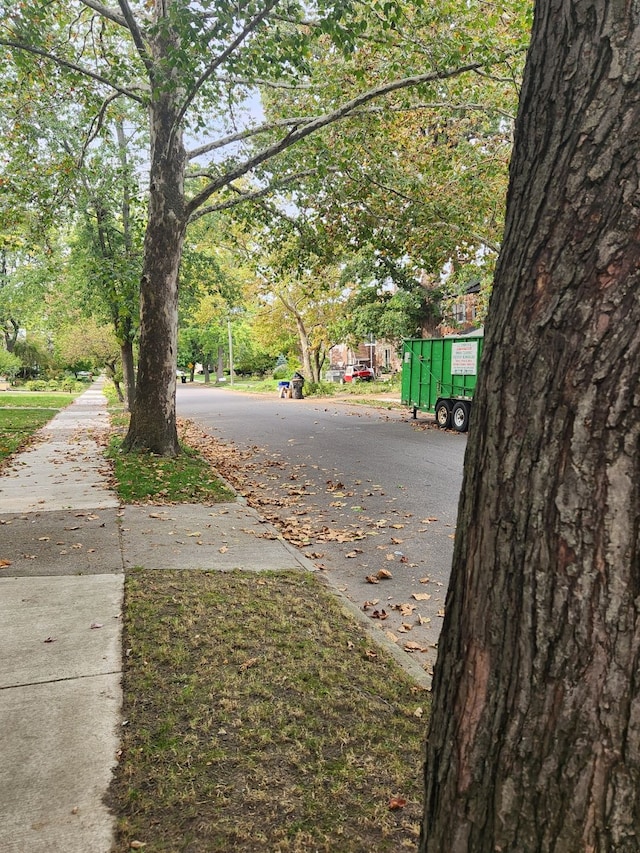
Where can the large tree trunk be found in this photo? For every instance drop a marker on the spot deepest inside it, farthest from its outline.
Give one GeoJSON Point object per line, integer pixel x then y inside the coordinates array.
{"type": "Point", "coordinates": [534, 739]}
{"type": "Point", "coordinates": [153, 417]}
{"type": "Point", "coordinates": [128, 372]}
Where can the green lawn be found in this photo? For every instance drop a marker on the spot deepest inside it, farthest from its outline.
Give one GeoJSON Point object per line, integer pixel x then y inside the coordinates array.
{"type": "Point", "coordinates": [22, 414]}
{"type": "Point", "coordinates": [36, 399]}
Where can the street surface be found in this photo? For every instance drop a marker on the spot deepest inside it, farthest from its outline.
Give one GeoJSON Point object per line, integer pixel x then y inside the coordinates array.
{"type": "Point", "coordinates": [363, 492]}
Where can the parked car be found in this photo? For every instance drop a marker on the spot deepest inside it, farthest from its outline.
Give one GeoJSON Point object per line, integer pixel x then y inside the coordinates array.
{"type": "Point", "coordinates": [358, 373]}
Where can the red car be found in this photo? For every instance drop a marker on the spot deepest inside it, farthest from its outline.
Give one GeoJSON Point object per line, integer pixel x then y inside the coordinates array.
{"type": "Point", "coordinates": [358, 373]}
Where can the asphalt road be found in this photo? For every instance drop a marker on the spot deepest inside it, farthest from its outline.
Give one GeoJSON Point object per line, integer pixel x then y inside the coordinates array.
{"type": "Point", "coordinates": [360, 490]}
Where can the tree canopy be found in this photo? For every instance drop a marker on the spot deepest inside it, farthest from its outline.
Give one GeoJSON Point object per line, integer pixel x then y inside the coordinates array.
{"type": "Point", "coordinates": [225, 93]}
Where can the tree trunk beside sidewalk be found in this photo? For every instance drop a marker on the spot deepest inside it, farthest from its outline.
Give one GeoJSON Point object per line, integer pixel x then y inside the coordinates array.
{"type": "Point", "coordinates": [534, 739]}
{"type": "Point", "coordinates": [153, 417]}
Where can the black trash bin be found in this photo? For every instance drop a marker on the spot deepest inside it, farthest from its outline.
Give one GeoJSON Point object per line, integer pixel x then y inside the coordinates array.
{"type": "Point", "coordinates": [297, 382]}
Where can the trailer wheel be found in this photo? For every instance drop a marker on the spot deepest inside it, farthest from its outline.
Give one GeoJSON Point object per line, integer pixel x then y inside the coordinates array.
{"type": "Point", "coordinates": [443, 414]}
{"type": "Point", "coordinates": [460, 417]}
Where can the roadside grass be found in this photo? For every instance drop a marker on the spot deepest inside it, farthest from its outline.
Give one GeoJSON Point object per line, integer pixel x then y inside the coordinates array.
{"type": "Point", "coordinates": [260, 717]}
{"type": "Point", "coordinates": [22, 414]}
{"type": "Point", "coordinates": [323, 389]}
{"type": "Point", "coordinates": [36, 400]}
{"type": "Point", "coordinates": [144, 477]}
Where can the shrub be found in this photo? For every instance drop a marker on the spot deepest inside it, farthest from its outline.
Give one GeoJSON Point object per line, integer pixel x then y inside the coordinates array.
{"type": "Point", "coordinates": [36, 385]}
{"type": "Point", "coordinates": [320, 389]}
{"type": "Point", "coordinates": [282, 372]}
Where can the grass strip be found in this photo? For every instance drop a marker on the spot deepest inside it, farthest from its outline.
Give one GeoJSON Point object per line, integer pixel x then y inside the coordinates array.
{"type": "Point", "coordinates": [17, 427]}
{"type": "Point", "coordinates": [35, 400]}
{"type": "Point", "coordinates": [261, 717]}
{"type": "Point", "coordinates": [141, 477]}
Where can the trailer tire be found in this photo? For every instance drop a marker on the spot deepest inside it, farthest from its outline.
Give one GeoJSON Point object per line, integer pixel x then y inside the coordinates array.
{"type": "Point", "coordinates": [443, 414]}
{"type": "Point", "coordinates": [460, 417]}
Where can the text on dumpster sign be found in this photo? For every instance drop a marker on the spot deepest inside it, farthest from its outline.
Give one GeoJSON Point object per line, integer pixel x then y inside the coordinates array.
{"type": "Point", "coordinates": [464, 358]}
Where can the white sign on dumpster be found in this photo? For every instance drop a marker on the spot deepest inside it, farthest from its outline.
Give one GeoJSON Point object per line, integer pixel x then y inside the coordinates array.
{"type": "Point", "coordinates": [464, 358]}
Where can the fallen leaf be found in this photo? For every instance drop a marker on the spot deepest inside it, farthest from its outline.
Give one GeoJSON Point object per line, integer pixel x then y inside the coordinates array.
{"type": "Point", "coordinates": [137, 845]}
{"type": "Point", "coordinates": [424, 580]}
{"type": "Point", "coordinates": [405, 609]}
{"type": "Point", "coordinates": [396, 803]}
{"type": "Point", "coordinates": [413, 647]}
{"type": "Point", "coordinates": [354, 553]}
{"type": "Point", "coordinates": [50, 640]}
{"type": "Point", "coordinates": [245, 666]}
{"type": "Point", "coordinates": [391, 636]}
{"type": "Point", "coordinates": [223, 550]}
{"type": "Point", "coordinates": [421, 596]}
{"type": "Point", "coordinates": [384, 575]}
{"type": "Point", "coordinates": [418, 713]}
{"type": "Point", "coordinates": [428, 520]}
{"type": "Point", "coordinates": [372, 579]}
{"type": "Point", "coordinates": [379, 614]}
{"type": "Point", "coordinates": [4, 564]}
{"type": "Point", "coordinates": [96, 625]}
{"type": "Point", "coordinates": [395, 541]}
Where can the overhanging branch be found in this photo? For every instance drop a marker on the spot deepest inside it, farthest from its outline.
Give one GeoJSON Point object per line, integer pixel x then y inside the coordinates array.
{"type": "Point", "coordinates": [111, 14]}
{"type": "Point", "coordinates": [243, 197]}
{"type": "Point", "coordinates": [311, 126]}
{"type": "Point", "coordinates": [72, 66]}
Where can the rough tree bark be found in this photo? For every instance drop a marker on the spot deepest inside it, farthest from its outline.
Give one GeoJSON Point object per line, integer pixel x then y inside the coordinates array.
{"type": "Point", "coordinates": [153, 416]}
{"type": "Point", "coordinates": [128, 372]}
{"type": "Point", "coordinates": [534, 739]}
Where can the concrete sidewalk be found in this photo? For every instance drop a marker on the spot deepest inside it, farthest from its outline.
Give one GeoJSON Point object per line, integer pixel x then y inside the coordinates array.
{"type": "Point", "coordinates": [67, 542]}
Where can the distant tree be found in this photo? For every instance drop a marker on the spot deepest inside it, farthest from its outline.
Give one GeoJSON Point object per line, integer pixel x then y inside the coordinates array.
{"type": "Point", "coordinates": [10, 364]}
{"type": "Point", "coordinates": [106, 259]}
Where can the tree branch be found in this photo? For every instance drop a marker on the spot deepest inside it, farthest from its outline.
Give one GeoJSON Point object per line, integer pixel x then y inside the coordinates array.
{"type": "Point", "coordinates": [217, 62]}
{"type": "Point", "coordinates": [299, 133]}
{"type": "Point", "coordinates": [251, 196]}
{"type": "Point", "coordinates": [242, 135]}
{"type": "Point", "coordinates": [96, 124]}
{"type": "Point", "coordinates": [137, 37]}
{"type": "Point", "coordinates": [247, 134]}
{"type": "Point", "coordinates": [111, 14]}
{"type": "Point", "coordinates": [64, 63]}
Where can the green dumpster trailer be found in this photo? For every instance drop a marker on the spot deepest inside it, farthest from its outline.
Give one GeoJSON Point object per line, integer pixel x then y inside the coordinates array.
{"type": "Point", "coordinates": [439, 376]}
